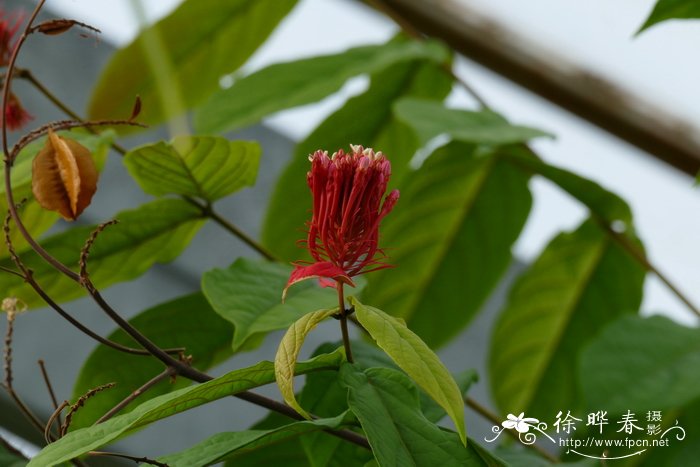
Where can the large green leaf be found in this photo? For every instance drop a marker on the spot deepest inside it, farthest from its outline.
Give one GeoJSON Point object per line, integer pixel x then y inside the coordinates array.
{"type": "Point", "coordinates": [386, 403]}
{"type": "Point", "coordinates": [414, 357]}
{"type": "Point", "coordinates": [187, 322]}
{"type": "Point", "coordinates": [288, 453]}
{"type": "Point", "coordinates": [81, 441]}
{"type": "Point", "coordinates": [325, 396]}
{"type": "Point", "coordinates": [249, 295]}
{"type": "Point", "coordinates": [365, 119]}
{"type": "Point", "coordinates": [205, 167]}
{"type": "Point", "coordinates": [288, 352]}
{"type": "Point", "coordinates": [665, 10]}
{"type": "Point", "coordinates": [178, 62]}
{"type": "Point", "coordinates": [452, 230]}
{"type": "Point", "coordinates": [285, 85]}
{"type": "Point", "coordinates": [581, 281]}
{"type": "Point", "coordinates": [222, 445]}
{"type": "Point", "coordinates": [36, 219]}
{"type": "Point", "coordinates": [684, 451]}
{"type": "Point", "coordinates": [430, 119]}
{"type": "Point", "coordinates": [638, 364]}
{"type": "Point", "coordinates": [156, 232]}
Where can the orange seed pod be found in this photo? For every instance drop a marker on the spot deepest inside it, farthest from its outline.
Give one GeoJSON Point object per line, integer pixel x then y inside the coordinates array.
{"type": "Point", "coordinates": [64, 176]}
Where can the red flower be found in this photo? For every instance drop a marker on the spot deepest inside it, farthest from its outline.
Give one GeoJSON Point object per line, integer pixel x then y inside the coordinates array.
{"type": "Point", "coordinates": [8, 28]}
{"type": "Point", "coordinates": [348, 205]}
{"type": "Point", "coordinates": [15, 115]}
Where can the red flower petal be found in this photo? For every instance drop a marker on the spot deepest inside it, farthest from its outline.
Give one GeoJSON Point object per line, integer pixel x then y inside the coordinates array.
{"type": "Point", "coordinates": [323, 271]}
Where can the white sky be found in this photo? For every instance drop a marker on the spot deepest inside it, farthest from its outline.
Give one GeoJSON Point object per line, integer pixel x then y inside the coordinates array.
{"type": "Point", "coordinates": [660, 65]}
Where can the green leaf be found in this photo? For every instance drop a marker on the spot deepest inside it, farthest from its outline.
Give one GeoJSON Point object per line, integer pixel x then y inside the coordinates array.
{"type": "Point", "coordinates": [288, 352]}
{"type": "Point", "coordinates": [177, 63]}
{"type": "Point", "coordinates": [36, 219]}
{"type": "Point", "coordinates": [602, 203]}
{"type": "Point", "coordinates": [248, 294]}
{"type": "Point", "coordinates": [414, 357]}
{"type": "Point", "coordinates": [324, 395]}
{"type": "Point", "coordinates": [187, 322]}
{"type": "Point", "coordinates": [641, 363]}
{"type": "Point", "coordinates": [665, 10]}
{"type": "Point", "coordinates": [685, 451]}
{"type": "Point", "coordinates": [581, 281]}
{"type": "Point", "coordinates": [365, 119]}
{"type": "Point", "coordinates": [205, 167]}
{"type": "Point", "coordinates": [452, 230]}
{"type": "Point", "coordinates": [222, 445]}
{"type": "Point", "coordinates": [156, 232]}
{"type": "Point", "coordinates": [81, 441]}
{"type": "Point", "coordinates": [386, 403]}
{"type": "Point", "coordinates": [285, 85]}
{"type": "Point", "coordinates": [432, 410]}
{"type": "Point", "coordinates": [288, 453]}
{"type": "Point", "coordinates": [431, 118]}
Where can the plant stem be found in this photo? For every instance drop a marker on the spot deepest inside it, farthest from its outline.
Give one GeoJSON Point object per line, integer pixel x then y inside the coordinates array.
{"type": "Point", "coordinates": [343, 318]}
{"type": "Point", "coordinates": [49, 387]}
{"type": "Point", "coordinates": [209, 212]}
{"type": "Point", "coordinates": [496, 420]}
{"type": "Point", "coordinates": [137, 459]}
{"type": "Point", "coordinates": [168, 372]}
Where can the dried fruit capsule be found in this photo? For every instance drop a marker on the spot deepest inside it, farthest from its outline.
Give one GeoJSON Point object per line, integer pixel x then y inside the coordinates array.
{"type": "Point", "coordinates": [64, 176]}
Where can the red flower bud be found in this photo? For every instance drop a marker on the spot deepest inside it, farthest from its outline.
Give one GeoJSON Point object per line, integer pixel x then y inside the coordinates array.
{"type": "Point", "coordinates": [349, 203]}
{"type": "Point", "coordinates": [15, 115]}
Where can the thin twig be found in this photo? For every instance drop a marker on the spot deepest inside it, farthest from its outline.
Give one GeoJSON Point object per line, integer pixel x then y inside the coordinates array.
{"type": "Point", "coordinates": [168, 372]}
{"type": "Point", "coordinates": [49, 387]}
{"type": "Point", "coordinates": [496, 420]}
{"type": "Point", "coordinates": [343, 318]}
{"type": "Point", "coordinates": [144, 460]}
{"type": "Point", "coordinates": [7, 357]}
{"type": "Point", "coordinates": [56, 413]}
{"type": "Point", "coordinates": [209, 212]}
{"type": "Point", "coordinates": [411, 31]}
{"type": "Point", "coordinates": [29, 279]}
{"type": "Point", "coordinates": [635, 252]}
{"type": "Point", "coordinates": [79, 404]}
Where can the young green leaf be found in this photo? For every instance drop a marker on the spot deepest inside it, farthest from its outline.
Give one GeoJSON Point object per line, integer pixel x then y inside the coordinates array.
{"type": "Point", "coordinates": [452, 229]}
{"type": "Point", "coordinates": [665, 10]}
{"type": "Point", "coordinates": [655, 365]}
{"type": "Point", "coordinates": [155, 232]}
{"type": "Point", "coordinates": [581, 281]}
{"type": "Point", "coordinates": [204, 167]}
{"type": "Point", "coordinates": [288, 352]}
{"type": "Point", "coordinates": [414, 357]}
{"type": "Point", "coordinates": [431, 118]}
{"type": "Point", "coordinates": [285, 85]}
{"type": "Point", "coordinates": [177, 63]}
{"type": "Point", "coordinates": [248, 294]}
{"type": "Point", "coordinates": [187, 322]}
{"type": "Point", "coordinates": [365, 119]}
{"type": "Point", "coordinates": [386, 403]}
{"type": "Point", "coordinates": [222, 445]}
{"type": "Point", "coordinates": [81, 441]}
